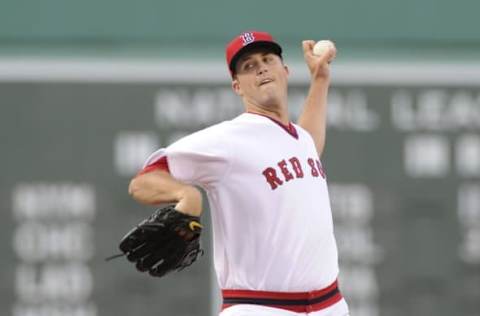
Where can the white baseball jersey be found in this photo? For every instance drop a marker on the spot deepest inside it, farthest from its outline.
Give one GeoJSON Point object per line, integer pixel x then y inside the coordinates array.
{"type": "Point", "coordinates": [267, 190]}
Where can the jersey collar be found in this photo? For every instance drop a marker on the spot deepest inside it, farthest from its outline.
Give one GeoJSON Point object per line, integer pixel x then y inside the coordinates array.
{"type": "Point", "coordinates": [290, 128]}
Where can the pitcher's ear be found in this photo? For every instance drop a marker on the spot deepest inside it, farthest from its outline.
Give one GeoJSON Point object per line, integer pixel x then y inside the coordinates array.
{"type": "Point", "coordinates": [236, 86]}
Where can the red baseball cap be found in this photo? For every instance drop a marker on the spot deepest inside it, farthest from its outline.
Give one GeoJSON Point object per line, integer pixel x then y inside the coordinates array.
{"type": "Point", "coordinates": [246, 41]}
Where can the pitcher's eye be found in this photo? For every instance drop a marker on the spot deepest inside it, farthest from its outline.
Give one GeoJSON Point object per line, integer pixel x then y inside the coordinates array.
{"type": "Point", "coordinates": [268, 58]}
{"type": "Point", "coordinates": [247, 66]}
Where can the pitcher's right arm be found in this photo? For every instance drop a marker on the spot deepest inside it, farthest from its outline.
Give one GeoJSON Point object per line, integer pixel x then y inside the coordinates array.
{"type": "Point", "coordinates": [158, 187]}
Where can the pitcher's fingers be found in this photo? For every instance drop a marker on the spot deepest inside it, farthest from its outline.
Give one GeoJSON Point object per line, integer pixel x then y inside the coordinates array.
{"type": "Point", "coordinates": [308, 47]}
{"type": "Point", "coordinates": [329, 55]}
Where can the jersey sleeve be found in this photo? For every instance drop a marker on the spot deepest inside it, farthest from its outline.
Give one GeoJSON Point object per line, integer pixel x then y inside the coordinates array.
{"type": "Point", "coordinates": [201, 158]}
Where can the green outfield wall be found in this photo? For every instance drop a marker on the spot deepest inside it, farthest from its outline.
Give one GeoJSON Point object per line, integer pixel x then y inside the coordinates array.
{"type": "Point", "coordinates": [403, 166]}
{"type": "Point", "coordinates": [427, 29]}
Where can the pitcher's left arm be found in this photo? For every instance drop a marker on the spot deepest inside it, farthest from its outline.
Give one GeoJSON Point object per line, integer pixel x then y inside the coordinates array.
{"type": "Point", "coordinates": [314, 113]}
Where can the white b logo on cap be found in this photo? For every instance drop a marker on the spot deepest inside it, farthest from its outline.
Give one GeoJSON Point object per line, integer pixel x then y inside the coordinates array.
{"type": "Point", "coordinates": [247, 38]}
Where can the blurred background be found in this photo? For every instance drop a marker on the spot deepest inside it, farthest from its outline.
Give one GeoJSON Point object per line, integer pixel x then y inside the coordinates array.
{"type": "Point", "coordinates": [88, 89]}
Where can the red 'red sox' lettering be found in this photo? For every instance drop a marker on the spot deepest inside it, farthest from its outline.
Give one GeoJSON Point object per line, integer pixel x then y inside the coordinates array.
{"type": "Point", "coordinates": [291, 171]}
{"type": "Point", "coordinates": [271, 177]}
{"type": "Point", "coordinates": [296, 167]}
{"type": "Point", "coordinates": [283, 166]}
{"type": "Point", "coordinates": [311, 163]}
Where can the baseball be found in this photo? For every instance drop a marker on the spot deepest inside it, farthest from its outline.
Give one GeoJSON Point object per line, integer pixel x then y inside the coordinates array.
{"type": "Point", "coordinates": [321, 47]}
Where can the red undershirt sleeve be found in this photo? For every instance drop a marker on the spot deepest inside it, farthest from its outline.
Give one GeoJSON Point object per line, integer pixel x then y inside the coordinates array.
{"type": "Point", "coordinates": [160, 164]}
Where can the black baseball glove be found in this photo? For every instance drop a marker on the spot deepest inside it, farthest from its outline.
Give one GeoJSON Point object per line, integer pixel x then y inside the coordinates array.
{"type": "Point", "coordinates": [166, 241]}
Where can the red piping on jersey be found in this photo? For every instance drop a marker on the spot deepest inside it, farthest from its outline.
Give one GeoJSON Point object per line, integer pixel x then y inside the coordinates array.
{"type": "Point", "coordinates": [160, 164]}
{"type": "Point", "coordinates": [290, 129]}
{"type": "Point", "coordinates": [300, 302]}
